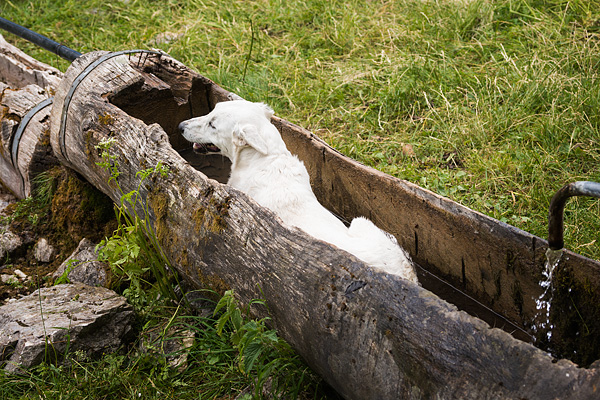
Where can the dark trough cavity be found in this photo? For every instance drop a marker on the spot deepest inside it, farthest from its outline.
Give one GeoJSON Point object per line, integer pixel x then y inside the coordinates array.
{"type": "Point", "coordinates": [214, 166]}
{"type": "Point", "coordinates": [170, 94]}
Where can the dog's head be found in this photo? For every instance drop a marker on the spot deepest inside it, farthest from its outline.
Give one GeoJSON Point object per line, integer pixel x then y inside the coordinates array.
{"type": "Point", "coordinates": [232, 126]}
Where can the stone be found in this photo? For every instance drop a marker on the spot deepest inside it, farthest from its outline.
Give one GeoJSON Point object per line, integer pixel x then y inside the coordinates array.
{"type": "Point", "coordinates": [9, 279]}
{"type": "Point", "coordinates": [71, 317]}
{"type": "Point", "coordinates": [83, 266]}
{"type": "Point", "coordinates": [43, 251]}
{"type": "Point", "coordinates": [173, 345]}
{"type": "Point", "coordinates": [9, 242]}
{"type": "Point", "coordinates": [5, 200]}
{"type": "Point", "coordinates": [20, 274]}
{"type": "Point", "coordinates": [167, 37]}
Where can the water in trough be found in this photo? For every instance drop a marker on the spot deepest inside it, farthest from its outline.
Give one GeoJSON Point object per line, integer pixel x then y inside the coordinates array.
{"type": "Point", "coordinates": [542, 325]}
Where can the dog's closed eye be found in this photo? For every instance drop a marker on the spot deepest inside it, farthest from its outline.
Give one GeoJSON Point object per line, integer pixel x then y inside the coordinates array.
{"type": "Point", "coordinates": [211, 125]}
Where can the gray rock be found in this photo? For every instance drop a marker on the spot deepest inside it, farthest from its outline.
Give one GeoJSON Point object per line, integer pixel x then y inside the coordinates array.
{"type": "Point", "coordinates": [20, 274]}
{"type": "Point", "coordinates": [9, 279]}
{"type": "Point", "coordinates": [167, 37]}
{"type": "Point", "coordinates": [83, 266]}
{"type": "Point", "coordinates": [43, 251]}
{"type": "Point", "coordinates": [172, 345]}
{"type": "Point", "coordinates": [5, 200]}
{"type": "Point", "coordinates": [9, 242]}
{"type": "Point", "coordinates": [51, 321]}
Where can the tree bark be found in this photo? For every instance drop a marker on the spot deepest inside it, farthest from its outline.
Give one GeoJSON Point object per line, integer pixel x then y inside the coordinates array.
{"type": "Point", "coordinates": [17, 69]}
{"type": "Point", "coordinates": [25, 90]}
{"type": "Point", "coordinates": [24, 138]}
{"type": "Point", "coordinates": [370, 335]}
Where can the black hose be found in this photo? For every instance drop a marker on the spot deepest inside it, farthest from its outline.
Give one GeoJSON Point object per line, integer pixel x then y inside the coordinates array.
{"type": "Point", "coordinates": [557, 205]}
{"type": "Point", "coordinates": [40, 40]}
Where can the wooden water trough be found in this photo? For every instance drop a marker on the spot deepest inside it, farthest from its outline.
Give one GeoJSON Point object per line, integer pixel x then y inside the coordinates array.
{"type": "Point", "coordinates": [371, 336]}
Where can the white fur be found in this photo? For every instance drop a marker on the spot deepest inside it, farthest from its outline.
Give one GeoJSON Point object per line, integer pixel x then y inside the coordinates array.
{"type": "Point", "coordinates": [263, 168]}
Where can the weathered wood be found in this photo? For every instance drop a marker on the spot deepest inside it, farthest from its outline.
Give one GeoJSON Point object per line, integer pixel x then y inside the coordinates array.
{"type": "Point", "coordinates": [24, 84]}
{"type": "Point", "coordinates": [24, 137]}
{"type": "Point", "coordinates": [371, 336]}
{"type": "Point", "coordinates": [18, 69]}
{"type": "Point", "coordinates": [497, 264]}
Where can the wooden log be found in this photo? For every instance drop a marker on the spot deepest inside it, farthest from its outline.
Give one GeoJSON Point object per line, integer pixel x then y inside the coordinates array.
{"type": "Point", "coordinates": [26, 86]}
{"type": "Point", "coordinates": [371, 336]}
{"type": "Point", "coordinates": [24, 137]}
{"type": "Point", "coordinates": [18, 69]}
{"type": "Point", "coordinates": [494, 263]}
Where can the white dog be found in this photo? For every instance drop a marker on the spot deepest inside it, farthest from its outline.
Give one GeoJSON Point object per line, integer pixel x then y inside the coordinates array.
{"type": "Point", "coordinates": [263, 168]}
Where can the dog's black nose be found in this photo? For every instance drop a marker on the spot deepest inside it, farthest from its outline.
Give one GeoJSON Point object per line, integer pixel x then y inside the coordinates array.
{"type": "Point", "coordinates": [182, 126]}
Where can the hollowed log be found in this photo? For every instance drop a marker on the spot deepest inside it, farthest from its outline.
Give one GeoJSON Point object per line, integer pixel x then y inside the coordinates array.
{"type": "Point", "coordinates": [368, 334]}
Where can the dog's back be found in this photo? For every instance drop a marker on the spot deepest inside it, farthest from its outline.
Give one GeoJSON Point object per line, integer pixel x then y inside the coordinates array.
{"type": "Point", "coordinates": [379, 248]}
{"type": "Point", "coordinates": [282, 184]}
{"type": "Point", "coordinates": [263, 168]}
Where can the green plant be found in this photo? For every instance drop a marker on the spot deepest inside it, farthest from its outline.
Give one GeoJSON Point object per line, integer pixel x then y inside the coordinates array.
{"type": "Point", "coordinates": [260, 352]}
{"type": "Point", "coordinates": [218, 364]}
{"type": "Point", "coordinates": [44, 186]}
{"type": "Point", "coordinates": [35, 207]}
{"type": "Point", "coordinates": [14, 282]}
{"type": "Point", "coordinates": [133, 249]}
{"type": "Point", "coordinates": [64, 277]}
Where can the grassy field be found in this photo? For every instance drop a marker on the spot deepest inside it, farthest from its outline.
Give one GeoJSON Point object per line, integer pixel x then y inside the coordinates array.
{"type": "Point", "coordinates": [495, 104]}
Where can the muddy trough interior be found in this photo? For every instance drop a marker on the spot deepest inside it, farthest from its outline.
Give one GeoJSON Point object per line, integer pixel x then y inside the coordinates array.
{"type": "Point", "coordinates": [484, 267]}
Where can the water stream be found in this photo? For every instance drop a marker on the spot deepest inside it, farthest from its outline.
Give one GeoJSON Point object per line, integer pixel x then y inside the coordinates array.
{"type": "Point", "coordinates": [544, 302]}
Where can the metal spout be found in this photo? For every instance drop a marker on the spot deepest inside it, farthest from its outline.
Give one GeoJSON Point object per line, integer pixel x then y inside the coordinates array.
{"type": "Point", "coordinates": [557, 205]}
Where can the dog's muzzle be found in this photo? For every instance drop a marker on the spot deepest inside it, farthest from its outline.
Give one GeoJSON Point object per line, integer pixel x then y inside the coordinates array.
{"type": "Point", "coordinates": [205, 148]}
{"type": "Point", "coordinates": [200, 148]}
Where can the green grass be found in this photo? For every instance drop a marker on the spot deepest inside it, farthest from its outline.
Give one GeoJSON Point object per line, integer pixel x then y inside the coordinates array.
{"type": "Point", "coordinates": [495, 104]}
{"type": "Point", "coordinates": [212, 369]}
{"type": "Point", "coordinates": [228, 356]}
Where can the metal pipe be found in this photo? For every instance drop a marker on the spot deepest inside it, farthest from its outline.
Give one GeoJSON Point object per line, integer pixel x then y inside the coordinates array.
{"type": "Point", "coordinates": [557, 205]}
{"type": "Point", "coordinates": [40, 40]}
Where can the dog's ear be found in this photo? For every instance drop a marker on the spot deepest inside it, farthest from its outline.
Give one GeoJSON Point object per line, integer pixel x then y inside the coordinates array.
{"type": "Point", "coordinates": [267, 110]}
{"type": "Point", "coordinates": [248, 135]}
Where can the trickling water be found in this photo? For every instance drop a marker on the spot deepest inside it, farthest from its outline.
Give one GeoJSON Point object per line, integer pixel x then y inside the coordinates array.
{"type": "Point", "coordinates": [544, 302]}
